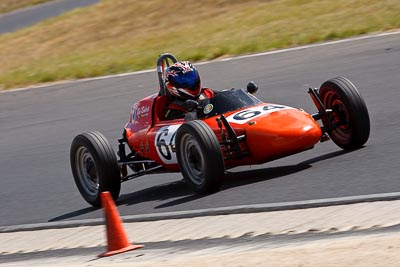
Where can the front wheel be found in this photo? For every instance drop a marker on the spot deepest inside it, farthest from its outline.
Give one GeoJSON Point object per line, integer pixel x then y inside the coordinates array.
{"type": "Point", "coordinates": [199, 156]}
{"type": "Point", "coordinates": [94, 167]}
{"type": "Point", "coordinates": [349, 117]}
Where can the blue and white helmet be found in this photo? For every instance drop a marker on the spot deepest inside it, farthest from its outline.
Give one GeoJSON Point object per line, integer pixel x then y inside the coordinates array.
{"type": "Point", "coordinates": [183, 80]}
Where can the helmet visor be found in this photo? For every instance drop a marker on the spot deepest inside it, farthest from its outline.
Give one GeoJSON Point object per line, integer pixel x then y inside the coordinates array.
{"type": "Point", "coordinates": [189, 80]}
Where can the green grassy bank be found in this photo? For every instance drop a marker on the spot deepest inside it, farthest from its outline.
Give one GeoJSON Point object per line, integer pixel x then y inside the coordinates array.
{"type": "Point", "coordinates": [117, 36]}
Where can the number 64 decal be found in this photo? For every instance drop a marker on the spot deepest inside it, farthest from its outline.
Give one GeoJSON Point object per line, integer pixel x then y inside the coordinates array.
{"type": "Point", "coordinates": [244, 116]}
{"type": "Point", "coordinates": [165, 143]}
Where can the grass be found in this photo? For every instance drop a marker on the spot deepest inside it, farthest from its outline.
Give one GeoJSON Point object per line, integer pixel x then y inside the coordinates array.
{"type": "Point", "coordinates": [114, 37]}
{"type": "Point", "coordinates": [10, 5]}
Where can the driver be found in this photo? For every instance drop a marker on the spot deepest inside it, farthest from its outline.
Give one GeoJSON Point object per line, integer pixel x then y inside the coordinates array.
{"type": "Point", "coordinates": [182, 81]}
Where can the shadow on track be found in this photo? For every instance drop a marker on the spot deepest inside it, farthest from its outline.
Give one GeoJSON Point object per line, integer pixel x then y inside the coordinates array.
{"type": "Point", "coordinates": [235, 179]}
{"type": "Point", "coordinates": [73, 214]}
{"type": "Point", "coordinates": [326, 156]}
{"type": "Point", "coordinates": [182, 194]}
{"type": "Point", "coordinates": [159, 193]}
{"type": "Point", "coordinates": [232, 179]}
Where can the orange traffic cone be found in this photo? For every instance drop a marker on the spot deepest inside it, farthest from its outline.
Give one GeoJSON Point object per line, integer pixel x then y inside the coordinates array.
{"type": "Point", "coordinates": [117, 240]}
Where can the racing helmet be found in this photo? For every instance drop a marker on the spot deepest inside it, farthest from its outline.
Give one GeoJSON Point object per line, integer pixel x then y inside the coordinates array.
{"type": "Point", "coordinates": [182, 80]}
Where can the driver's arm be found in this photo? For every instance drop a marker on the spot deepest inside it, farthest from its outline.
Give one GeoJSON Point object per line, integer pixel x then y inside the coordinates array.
{"type": "Point", "coordinates": [174, 111]}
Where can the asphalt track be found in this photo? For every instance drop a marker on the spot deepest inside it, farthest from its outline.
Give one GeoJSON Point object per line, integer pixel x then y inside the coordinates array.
{"type": "Point", "coordinates": [24, 17]}
{"type": "Point", "coordinates": [38, 125]}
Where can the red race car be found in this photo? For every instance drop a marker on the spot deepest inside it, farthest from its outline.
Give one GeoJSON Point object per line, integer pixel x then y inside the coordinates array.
{"type": "Point", "coordinates": [232, 128]}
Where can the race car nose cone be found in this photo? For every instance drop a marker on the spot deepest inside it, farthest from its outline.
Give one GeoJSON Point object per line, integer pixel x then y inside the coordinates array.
{"type": "Point", "coordinates": [282, 133]}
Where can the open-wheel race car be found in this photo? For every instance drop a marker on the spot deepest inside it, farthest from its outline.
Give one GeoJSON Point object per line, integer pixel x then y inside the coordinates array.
{"type": "Point", "coordinates": [230, 129]}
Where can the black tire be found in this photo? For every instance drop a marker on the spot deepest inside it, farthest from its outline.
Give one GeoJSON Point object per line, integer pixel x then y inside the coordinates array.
{"type": "Point", "coordinates": [94, 167]}
{"type": "Point", "coordinates": [349, 110]}
{"type": "Point", "coordinates": [200, 157]}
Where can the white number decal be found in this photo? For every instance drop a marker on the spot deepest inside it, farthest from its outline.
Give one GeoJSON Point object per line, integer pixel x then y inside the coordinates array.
{"type": "Point", "coordinates": [165, 143]}
{"type": "Point", "coordinates": [244, 116]}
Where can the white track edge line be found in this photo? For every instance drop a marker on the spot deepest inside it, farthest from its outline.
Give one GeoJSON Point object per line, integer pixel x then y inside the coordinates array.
{"type": "Point", "coordinates": [208, 62]}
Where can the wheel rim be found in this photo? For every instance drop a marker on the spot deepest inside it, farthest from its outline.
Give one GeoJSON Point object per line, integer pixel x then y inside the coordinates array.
{"type": "Point", "coordinates": [340, 116]}
{"type": "Point", "coordinates": [193, 161]}
{"type": "Point", "coordinates": [86, 172]}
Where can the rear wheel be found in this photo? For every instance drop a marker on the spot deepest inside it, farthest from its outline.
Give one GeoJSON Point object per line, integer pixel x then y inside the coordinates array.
{"type": "Point", "coordinates": [94, 167]}
{"type": "Point", "coordinates": [349, 113]}
{"type": "Point", "coordinates": [199, 156]}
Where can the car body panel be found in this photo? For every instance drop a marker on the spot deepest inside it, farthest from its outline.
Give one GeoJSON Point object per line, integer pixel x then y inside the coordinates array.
{"type": "Point", "coordinates": [271, 131]}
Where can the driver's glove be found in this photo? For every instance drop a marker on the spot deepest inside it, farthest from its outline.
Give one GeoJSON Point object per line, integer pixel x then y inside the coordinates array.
{"type": "Point", "coordinates": [190, 104]}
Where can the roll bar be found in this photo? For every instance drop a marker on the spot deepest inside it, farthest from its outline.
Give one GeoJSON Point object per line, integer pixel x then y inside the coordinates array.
{"type": "Point", "coordinates": [162, 63]}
